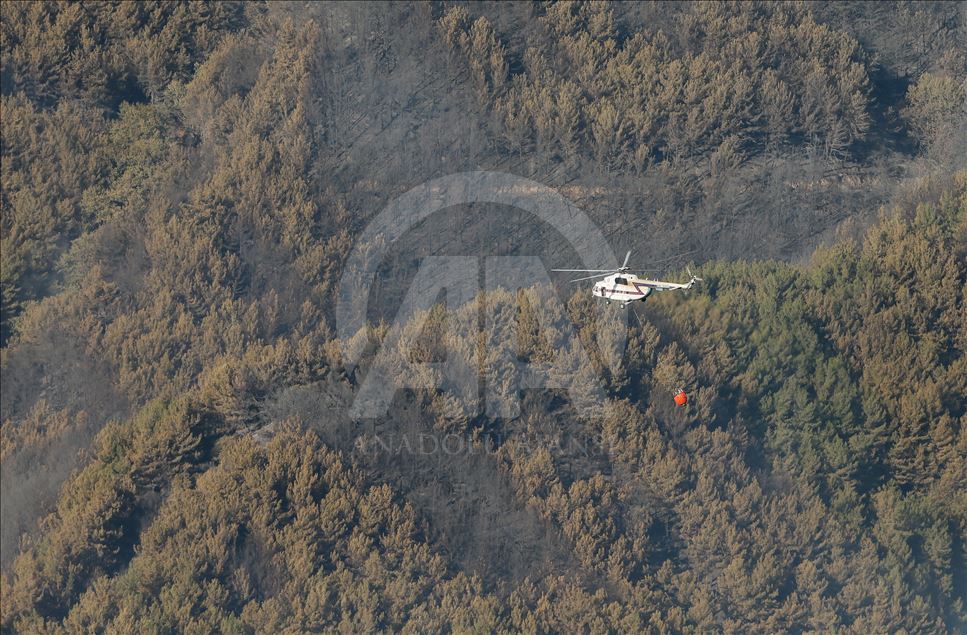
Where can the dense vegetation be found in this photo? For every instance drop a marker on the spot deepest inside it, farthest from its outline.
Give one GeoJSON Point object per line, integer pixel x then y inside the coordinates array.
{"type": "Point", "coordinates": [182, 182]}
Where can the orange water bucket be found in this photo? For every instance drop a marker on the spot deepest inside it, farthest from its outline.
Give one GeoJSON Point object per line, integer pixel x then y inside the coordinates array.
{"type": "Point", "coordinates": [681, 398]}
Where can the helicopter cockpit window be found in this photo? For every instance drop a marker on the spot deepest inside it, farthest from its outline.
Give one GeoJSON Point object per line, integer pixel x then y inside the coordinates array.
{"type": "Point", "coordinates": [620, 281]}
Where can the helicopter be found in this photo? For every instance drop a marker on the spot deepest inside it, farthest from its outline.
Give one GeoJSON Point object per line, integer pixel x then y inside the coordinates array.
{"type": "Point", "coordinates": [619, 285]}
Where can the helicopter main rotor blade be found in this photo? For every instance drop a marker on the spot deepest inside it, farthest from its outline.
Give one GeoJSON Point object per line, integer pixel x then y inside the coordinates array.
{"type": "Point", "coordinates": [599, 275]}
{"type": "Point", "coordinates": [684, 253]}
{"type": "Point", "coordinates": [625, 267]}
{"type": "Point", "coordinates": [585, 270]}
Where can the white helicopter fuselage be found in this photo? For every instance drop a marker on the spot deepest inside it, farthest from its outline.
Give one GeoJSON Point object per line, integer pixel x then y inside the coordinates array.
{"type": "Point", "coordinates": [627, 287]}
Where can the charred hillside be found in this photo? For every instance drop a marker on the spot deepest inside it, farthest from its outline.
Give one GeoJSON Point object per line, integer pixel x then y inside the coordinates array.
{"type": "Point", "coordinates": [183, 185]}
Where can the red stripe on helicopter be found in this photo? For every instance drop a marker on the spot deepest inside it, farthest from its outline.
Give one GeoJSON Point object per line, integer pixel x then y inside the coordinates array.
{"type": "Point", "coordinates": [637, 291]}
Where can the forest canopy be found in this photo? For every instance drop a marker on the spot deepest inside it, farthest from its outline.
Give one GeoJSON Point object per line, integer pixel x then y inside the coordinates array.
{"type": "Point", "coordinates": [182, 183]}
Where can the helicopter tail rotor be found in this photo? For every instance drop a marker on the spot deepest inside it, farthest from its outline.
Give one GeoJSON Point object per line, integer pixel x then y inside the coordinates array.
{"type": "Point", "coordinates": [692, 278]}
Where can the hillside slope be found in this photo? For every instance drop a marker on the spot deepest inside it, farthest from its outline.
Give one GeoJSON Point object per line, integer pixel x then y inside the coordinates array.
{"type": "Point", "coordinates": [815, 481]}
{"type": "Point", "coordinates": [182, 184]}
